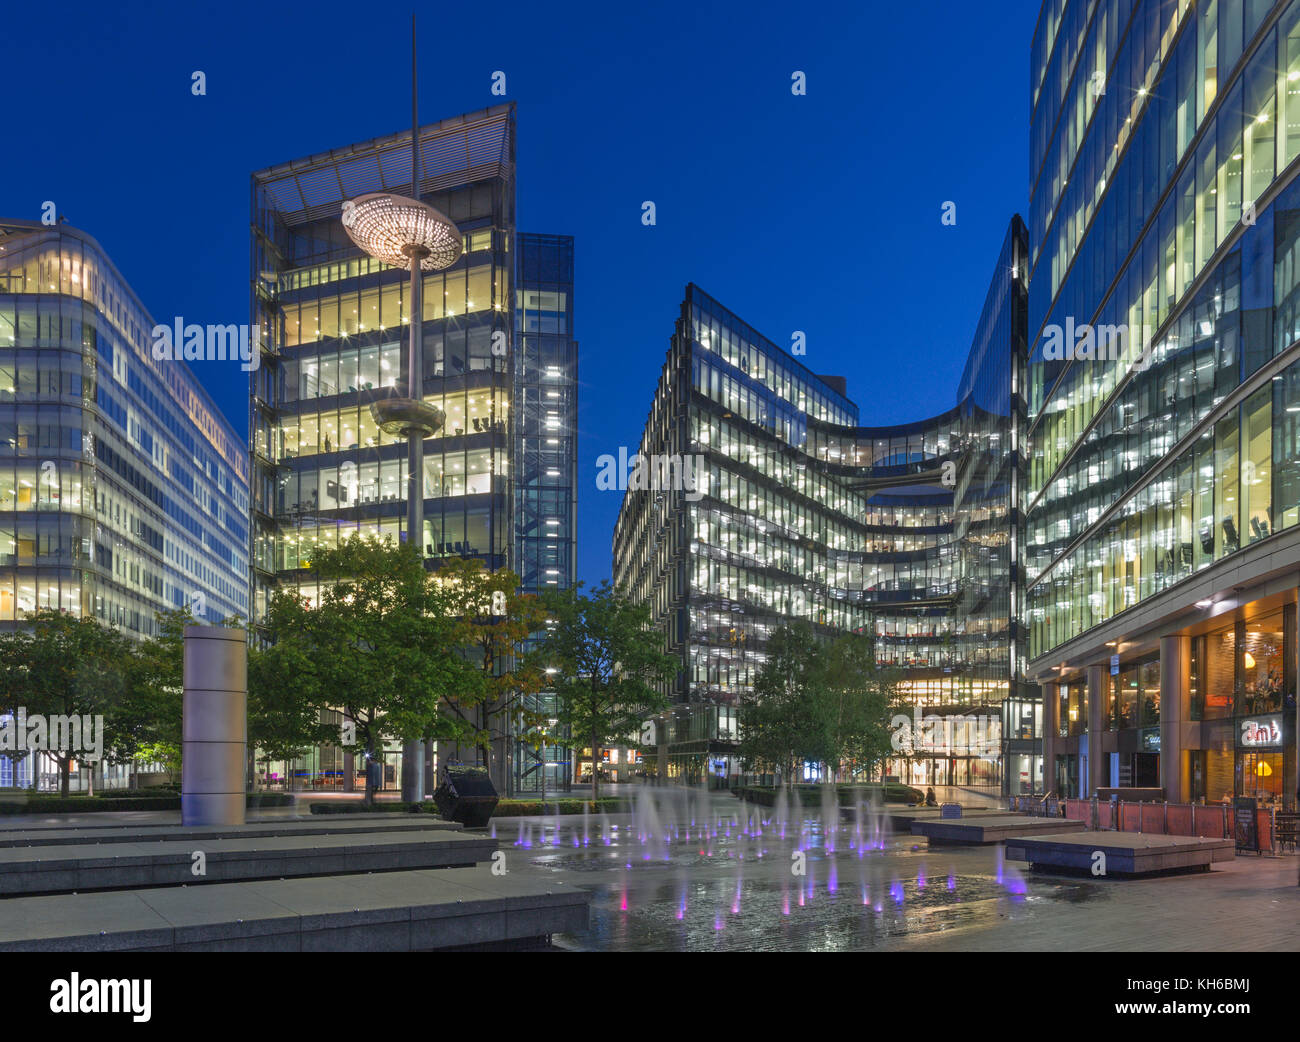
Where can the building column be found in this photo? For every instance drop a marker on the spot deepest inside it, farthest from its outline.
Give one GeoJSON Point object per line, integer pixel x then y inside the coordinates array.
{"type": "Point", "coordinates": [1097, 678]}
{"type": "Point", "coordinates": [1174, 709]}
{"type": "Point", "coordinates": [1050, 705]}
{"type": "Point", "coordinates": [349, 773]}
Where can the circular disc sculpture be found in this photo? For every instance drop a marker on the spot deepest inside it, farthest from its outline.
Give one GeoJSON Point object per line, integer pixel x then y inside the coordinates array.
{"type": "Point", "coordinates": [406, 233]}
{"type": "Point", "coordinates": [393, 229]}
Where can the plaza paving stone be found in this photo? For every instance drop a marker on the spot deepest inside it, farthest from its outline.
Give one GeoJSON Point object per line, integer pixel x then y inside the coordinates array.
{"type": "Point", "coordinates": [1249, 904]}
{"type": "Point", "coordinates": [740, 896]}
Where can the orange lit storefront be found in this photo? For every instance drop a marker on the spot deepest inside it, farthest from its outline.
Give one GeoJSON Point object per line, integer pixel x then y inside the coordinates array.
{"type": "Point", "coordinates": [1204, 714]}
{"type": "Point", "coordinates": [617, 764]}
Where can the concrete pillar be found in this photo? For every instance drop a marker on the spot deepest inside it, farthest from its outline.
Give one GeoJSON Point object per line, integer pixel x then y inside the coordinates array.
{"type": "Point", "coordinates": [1174, 709]}
{"type": "Point", "coordinates": [1098, 682]}
{"type": "Point", "coordinates": [1049, 735]}
{"type": "Point", "coordinates": [413, 771]}
{"type": "Point", "coordinates": [214, 726]}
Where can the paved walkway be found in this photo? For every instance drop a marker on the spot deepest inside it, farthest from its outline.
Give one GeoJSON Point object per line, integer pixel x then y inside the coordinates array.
{"type": "Point", "coordinates": [1249, 904]}
{"type": "Point", "coordinates": [971, 900]}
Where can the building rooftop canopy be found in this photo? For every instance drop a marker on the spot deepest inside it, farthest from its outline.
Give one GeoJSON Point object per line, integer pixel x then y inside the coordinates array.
{"type": "Point", "coordinates": [475, 146]}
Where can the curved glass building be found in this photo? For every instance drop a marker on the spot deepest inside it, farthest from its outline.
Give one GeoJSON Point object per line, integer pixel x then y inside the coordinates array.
{"type": "Point", "coordinates": [1163, 492]}
{"type": "Point", "coordinates": [123, 490]}
{"type": "Point", "coordinates": [796, 511]}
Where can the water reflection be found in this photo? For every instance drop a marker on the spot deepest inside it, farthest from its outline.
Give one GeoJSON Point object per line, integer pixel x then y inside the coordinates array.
{"type": "Point", "coordinates": [699, 871]}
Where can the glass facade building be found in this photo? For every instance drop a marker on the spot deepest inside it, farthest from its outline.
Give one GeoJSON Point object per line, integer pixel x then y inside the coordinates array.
{"type": "Point", "coordinates": [123, 490]}
{"type": "Point", "coordinates": [497, 332]}
{"type": "Point", "coordinates": [333, 324]}
{"type": "Point", "coordinates": [1163, 491]}
{"type": "Point", "coordinates": [546, 441]}
{"type": "Point", "coordinates": [546, 381]}
{"type": "Point", "coordinates": [798, 512]}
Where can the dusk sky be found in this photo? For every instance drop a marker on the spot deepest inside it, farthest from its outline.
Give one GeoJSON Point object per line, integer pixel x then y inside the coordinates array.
{"type": "Point", "coordinates": [818, 213]}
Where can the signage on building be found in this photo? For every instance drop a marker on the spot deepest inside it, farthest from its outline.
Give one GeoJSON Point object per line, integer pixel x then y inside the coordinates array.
{"type": "Point", "coordinates": [1114, 665]}
{"type": "Point", "coordinates": [1261, 731]}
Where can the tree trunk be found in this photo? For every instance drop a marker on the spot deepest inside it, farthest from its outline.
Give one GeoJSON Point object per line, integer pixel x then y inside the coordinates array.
{"type": "Point", "coordinates": [595, 772]}
{"type": "Point", "coordinates": [65, 775]}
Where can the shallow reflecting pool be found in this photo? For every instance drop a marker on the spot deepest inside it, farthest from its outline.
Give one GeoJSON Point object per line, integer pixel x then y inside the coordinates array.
{"type": "Point", "coordinates": [694, 871]}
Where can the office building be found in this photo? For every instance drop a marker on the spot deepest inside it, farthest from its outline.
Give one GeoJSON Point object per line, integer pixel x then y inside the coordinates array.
{"type": "Point", "coordinates": [499, 361]}
{"type": "Point", "coordinates": [123, 490]}
{"type": "Point", "coordinates": [546, 451]}
{"type": "Point", "coordinates": [1163, 484]}
{"type": "Point", "coordinates": [796, 511]}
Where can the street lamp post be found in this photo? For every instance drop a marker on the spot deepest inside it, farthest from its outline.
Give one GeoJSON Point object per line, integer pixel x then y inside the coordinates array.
{"type": "Point", "coordinates": [406, 233]}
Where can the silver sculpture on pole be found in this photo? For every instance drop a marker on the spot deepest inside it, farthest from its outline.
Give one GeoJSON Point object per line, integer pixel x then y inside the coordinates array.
{"type": "Point", "coordinates": [406, 233]}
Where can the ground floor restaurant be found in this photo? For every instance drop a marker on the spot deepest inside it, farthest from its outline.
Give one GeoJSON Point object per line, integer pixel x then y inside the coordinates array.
{"type": "Point", "coordinates": [938, 769]}
{"type": "Point", "coordinates": [1204, 714]}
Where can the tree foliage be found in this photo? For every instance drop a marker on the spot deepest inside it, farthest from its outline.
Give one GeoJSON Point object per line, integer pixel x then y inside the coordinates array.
{"type": "Point", "coordinates": [608, 666]}
{"type": "Point", "coordinates": [60, 665]}
{"type": "Point", "coordinates": [817, 701]}
{"type": "Point", "coordinates": [498, 621]}
{"type": "Point", "coordinates": [383, 645]}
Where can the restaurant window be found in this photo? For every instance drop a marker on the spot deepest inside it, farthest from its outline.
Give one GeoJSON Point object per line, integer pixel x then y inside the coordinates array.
{"type": "Point", "coordinates": [1126, 685]}
{"type": "Point", "coordinates": [1149, 693]}
{"type": "Point", "coordinates": [1219, 673]}
{"type": "Point", "coordinates": [1262, 666]}
{"type": "Point", "coordinates": [1259, 774]}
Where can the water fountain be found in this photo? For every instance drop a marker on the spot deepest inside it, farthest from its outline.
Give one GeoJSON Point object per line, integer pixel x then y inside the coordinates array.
{"type": "Point", "coordinates": [689, 869]}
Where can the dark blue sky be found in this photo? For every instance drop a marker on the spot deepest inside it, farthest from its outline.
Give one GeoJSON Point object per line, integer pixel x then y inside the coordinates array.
{"type": "Point", "coordinates": [819, 213]}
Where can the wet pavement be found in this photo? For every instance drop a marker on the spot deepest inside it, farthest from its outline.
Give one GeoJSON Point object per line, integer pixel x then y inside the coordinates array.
{"type": "Point", "coordinates": [704, 872]}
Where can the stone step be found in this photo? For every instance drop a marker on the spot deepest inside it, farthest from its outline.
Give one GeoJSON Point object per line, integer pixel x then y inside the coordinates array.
{"type": "Point", "coordinates": [392, 911]}
{"type": "Point", "coordinates": [992, 829]}
{"type": "Point", "coordinates": [61, 869]}
{"type": "Point", "coordinates": [1126, 854]}
{"type": "Point", "coordinates": [350, 824]}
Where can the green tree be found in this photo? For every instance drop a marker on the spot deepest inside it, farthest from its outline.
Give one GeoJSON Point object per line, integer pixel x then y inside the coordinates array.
{"type": "Point", "coordinates": [860, 698]}
{"type": "Point", "coordinates": [608, 665]}
{"type": "Point", "coordinates": [383, 646]}
{"type": "Point", "coordinates": [818, 701]}
{"type": "Point", "coordinates": [284, 714]}
{"type": "Point", "coordinates": [60, 665]}
{"type": "Point", "coordinates": [498, 620]}
{"type": "Point", "coordinates": [14, 649]}
{"type": "Point", "coordinates": [145, 724]}
{"type": "Point", "coordinates": [784, 721]}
